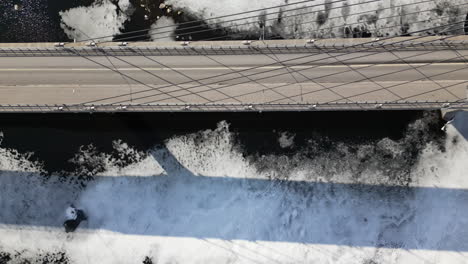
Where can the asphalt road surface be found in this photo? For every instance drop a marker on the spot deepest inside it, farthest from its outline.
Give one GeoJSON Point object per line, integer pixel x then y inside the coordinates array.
{"type": "Point", "coordinates": [237, 79]}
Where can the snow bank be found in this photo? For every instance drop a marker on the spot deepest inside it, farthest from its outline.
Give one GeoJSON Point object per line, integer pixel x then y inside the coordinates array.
{"type": "Point", "coordinates": [199, 200]}
{"type": "Point", "coordinates": [98, 20]}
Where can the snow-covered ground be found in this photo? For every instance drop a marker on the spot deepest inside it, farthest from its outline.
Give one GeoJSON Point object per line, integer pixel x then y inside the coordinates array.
{"type": "Point", "coordinates": [319, 19]}
{"type": "Point", "coordinates": [198, 199]}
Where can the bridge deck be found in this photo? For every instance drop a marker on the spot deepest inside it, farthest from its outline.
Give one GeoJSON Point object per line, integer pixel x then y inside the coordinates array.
{"type": "Point", "coordinates": [368, 77]}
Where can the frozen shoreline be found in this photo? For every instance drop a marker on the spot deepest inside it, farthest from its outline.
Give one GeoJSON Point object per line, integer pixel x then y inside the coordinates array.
{"type": "Point", "coordinates": [319, 19]}
{"type": "Point", "coordinates": [208, 200]}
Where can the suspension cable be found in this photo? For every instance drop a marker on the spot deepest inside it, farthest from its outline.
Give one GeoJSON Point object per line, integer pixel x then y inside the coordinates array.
{"type": "Point", "coordinates": [204, 20]}
{"type": "Point", "coordinates": [307, 56]}
{"type": "Point", "coordinates": [370, 42]}
{"type": "Point", "coordinates": [330, 18]}
{"type": "Point", "coordinates": [247, 23]}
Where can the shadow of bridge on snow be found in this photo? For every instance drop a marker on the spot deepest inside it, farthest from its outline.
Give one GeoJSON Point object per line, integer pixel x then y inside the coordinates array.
{"type": "Point", "coordinates": [181, 204]}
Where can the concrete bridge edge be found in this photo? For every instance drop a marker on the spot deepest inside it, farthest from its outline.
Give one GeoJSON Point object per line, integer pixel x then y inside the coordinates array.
{"type": "Point", "coordinates": [449, 114]}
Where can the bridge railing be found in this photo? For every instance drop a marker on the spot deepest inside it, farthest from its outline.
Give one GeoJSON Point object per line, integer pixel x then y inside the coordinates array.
{"type": "Point", "coordinates": [351, 106]}
{"type": "Point", "coordinates": [229, 48]}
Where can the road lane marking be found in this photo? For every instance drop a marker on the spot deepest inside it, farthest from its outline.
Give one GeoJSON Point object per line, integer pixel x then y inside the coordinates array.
{"type": "Point", "coordinates": [225, 68]}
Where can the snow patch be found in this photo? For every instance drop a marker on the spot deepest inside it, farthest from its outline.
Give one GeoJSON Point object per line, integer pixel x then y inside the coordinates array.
{"type": "Point", "coordinates": [126, 6]}
{"type": "Point", "coordinates": [286, 140]}
{"type": "Point", "coordinates": [98, 20]}
{"type": "Point", "coordinates": [163, 29]}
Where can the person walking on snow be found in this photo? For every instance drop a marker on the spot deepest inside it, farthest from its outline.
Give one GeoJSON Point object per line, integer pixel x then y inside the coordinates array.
{"type": "Point", "coordinates": [73, 218]}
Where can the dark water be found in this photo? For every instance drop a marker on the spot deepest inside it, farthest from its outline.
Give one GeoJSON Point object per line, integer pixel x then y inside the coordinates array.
{"type": "Point", "coordinates": [35, 21]}
{"type": "Point", "coordinates": [56, 138]}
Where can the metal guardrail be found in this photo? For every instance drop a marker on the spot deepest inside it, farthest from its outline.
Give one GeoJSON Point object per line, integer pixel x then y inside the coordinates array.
{"type": "Point", "coordinates": [354, 106]}
{"type": "Point", "coordinates": [187, 50]}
